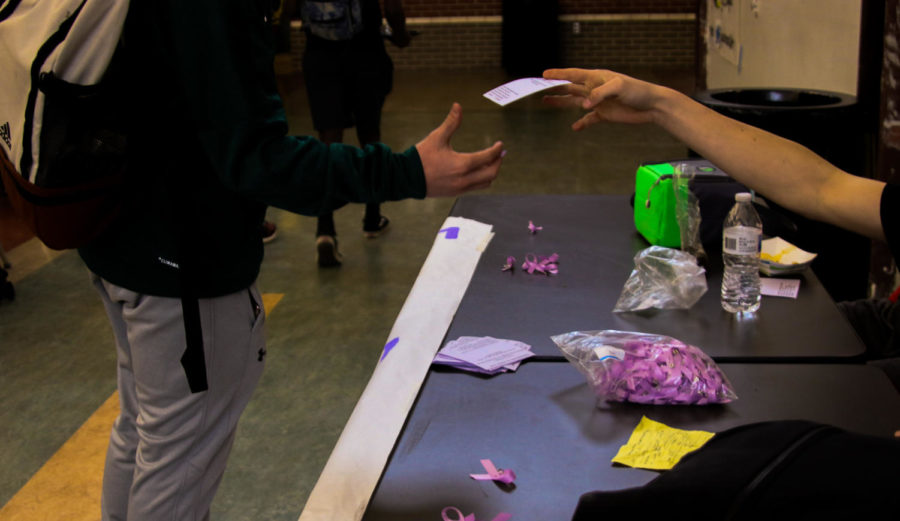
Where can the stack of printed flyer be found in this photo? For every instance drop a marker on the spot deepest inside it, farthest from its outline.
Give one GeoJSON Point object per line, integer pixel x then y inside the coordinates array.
{"type": "Point", "coordinates": [485, 355]}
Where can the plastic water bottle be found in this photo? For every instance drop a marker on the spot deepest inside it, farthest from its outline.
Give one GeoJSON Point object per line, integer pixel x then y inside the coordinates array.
{"type": "Point", "coordinates": [741, 237]}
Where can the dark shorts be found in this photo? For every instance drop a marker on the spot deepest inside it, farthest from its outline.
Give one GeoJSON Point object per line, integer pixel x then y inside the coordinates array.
{"type": "Point", "coordinates": [877, 322]}
{"type": "Point", "coordinates": [347, 88]}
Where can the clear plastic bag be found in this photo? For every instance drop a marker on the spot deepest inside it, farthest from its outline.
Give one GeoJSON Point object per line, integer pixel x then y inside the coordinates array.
{"type": "Point", "coordinates": [663, 278]}
{"type": "Point", "coordinates": [623, 366]}
{"type": "Point", "coordinates": [687, 211]}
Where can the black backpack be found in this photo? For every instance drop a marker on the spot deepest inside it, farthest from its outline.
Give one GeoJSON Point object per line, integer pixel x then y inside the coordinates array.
{"type": "Point", "coordinates": [792, 469]}
{"type": "Point", "coordinates": [335, 20]}
{"type": "Point", "coordinates": [62, 146]}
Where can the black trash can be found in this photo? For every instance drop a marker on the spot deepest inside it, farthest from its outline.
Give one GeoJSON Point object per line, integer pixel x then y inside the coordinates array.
{"type": "Point", "coordinates": [530, 37]}
{"type": "Point", "coordinates": [829, 124]}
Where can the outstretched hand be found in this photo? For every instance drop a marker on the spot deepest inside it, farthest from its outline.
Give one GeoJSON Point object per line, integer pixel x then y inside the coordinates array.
{"type": "Point", "coordinates": [608, 95]}
{"type": "Point", "coordinates": [448, 172]}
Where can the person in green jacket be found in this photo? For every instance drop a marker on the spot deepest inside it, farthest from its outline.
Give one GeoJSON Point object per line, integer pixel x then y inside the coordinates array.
{"type": "Point", "coordinates": [208, 150]}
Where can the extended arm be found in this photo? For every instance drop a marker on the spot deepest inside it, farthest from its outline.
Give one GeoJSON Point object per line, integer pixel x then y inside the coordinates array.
{"type": "Point", "coordinates": [784, 171]}
{"type": "Point", "coordinates": [225, 82]}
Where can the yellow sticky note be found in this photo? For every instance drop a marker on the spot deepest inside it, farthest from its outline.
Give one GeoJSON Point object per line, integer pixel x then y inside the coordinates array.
{"type": "Point", "coordinates": [656, 446]}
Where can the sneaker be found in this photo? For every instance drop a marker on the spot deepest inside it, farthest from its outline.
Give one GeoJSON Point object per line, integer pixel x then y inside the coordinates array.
{"type": "Point", "coordinates": [6, 288]}
{"type": "Point", "coordinates": [7, 291]}
{"type": "Point", "coordinates": [327, 254]}
{"type": "Point", "coordinates": [372, 232]}
{"type": "Point", "coordinates": [268, 232]}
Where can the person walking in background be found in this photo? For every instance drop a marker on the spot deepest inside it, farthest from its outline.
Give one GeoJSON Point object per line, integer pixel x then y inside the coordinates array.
{"type": "Point", "coordinates": [348, 75]}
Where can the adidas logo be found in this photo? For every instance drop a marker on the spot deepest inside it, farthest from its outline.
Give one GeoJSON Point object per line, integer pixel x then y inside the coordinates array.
{"type": "Point", "coordinates": [4, 133]}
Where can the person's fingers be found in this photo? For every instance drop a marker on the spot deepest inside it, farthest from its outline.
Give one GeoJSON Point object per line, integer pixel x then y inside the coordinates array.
{"type": "Point", "coordinates": [602, 92]}
{"type": "Point", "coordinates": [563, 101]}
{"type": "Point", "coordinates": [448, 127]}
{"type": "Point", "coordinates": [472, 161]}
{"type": "Point", "coordinates": [570, 89]}
{"type": "Point", "coordinates": [587, 120]}
{"type": "Point", "coordinates": [465, 180]}
{"type": "Point", "coordinates": [482, 177]}
{"type": "Point", "coordinates": [573, 75]}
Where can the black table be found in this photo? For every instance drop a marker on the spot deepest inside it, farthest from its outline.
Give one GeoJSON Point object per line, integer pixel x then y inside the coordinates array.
{"type": "Point", "coordinates": [595, 238]}
{"type": "Point", "coordinates": [542, 423]}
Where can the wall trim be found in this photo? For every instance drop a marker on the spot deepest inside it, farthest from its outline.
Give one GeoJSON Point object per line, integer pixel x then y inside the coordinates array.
{"type": "Point", "coordinates": [612, 17]}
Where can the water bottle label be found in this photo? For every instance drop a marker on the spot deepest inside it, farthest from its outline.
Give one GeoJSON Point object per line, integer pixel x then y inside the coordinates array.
{"type": "Point", "coordinates": [741, 240]}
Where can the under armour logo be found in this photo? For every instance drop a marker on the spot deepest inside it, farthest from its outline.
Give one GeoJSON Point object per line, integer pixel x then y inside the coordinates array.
{"type": "Point", "coordinates": [4, 133]}
{"type": "Point", "coordinates": [262, 353]}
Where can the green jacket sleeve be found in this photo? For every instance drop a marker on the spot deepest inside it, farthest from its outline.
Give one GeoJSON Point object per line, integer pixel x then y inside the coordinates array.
{"type": "Point", "coordinates": [223, 56]}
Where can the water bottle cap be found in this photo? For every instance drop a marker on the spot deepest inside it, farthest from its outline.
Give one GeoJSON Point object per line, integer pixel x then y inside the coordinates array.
{"type": "Point", "coordinates": [743, 197]}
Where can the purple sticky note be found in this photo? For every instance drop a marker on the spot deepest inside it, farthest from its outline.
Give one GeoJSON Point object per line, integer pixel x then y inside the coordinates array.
{"type": "Point", "coordinates": [451, 233]}
{"type": "Point", "coordinates": [387, 347]}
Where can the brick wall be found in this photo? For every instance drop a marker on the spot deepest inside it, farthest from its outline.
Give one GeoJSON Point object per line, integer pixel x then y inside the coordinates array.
{"type": "Point", "coordinates": [628, 44]}
{"type": "Point", "coordinates": [610, 33]}
{"type": "Point", "coordinates": [494, 7]}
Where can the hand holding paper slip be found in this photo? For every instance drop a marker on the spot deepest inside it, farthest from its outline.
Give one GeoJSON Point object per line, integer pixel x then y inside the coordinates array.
{"type": "Point", "coordinates": [518, 89]}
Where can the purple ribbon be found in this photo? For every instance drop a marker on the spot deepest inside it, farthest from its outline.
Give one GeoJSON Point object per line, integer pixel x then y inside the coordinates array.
{"type": "Point", "coordinates": [510, 264]}
{"type": "Point", "coordinates": [541, 264]}
{"type": "Point", "coordinates": [502, 516]}
{"type": "Point", "coordinates": [534, 229]}
{"type": "Point", "coordinates": [662, 371]}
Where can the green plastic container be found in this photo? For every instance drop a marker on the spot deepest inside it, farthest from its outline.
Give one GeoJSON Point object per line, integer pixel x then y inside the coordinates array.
{"type": "Point", "coordinates": [654, 198]}
{"type": "Point", "coordinates": [654, 205]}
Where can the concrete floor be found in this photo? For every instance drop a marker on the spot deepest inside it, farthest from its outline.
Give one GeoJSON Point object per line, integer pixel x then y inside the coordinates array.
{"type": "Point", "coordinates": [57, 362]}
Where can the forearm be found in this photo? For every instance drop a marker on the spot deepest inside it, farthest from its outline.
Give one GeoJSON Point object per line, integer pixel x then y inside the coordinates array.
{"type": "Point", "coordinates": [306, 176]}
{"type": "Point", "coordinates": [781, 170]}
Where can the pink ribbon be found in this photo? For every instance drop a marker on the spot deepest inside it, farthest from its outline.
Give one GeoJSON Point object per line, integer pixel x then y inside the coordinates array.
{"type": "Point", "coordinates": [534, 229]}
{"type": "Point", "coordinates": [502, 516]}
{"type": "Point", "coordinates": [510, 264]}
{"type": "Point", "coordinates": [542, 264]}
{"type": "Point", "coordinates": [493, 473]}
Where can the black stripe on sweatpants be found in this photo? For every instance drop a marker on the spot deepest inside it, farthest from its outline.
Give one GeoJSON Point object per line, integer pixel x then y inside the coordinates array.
{"type": "Point", "coordinates": [193, 360]}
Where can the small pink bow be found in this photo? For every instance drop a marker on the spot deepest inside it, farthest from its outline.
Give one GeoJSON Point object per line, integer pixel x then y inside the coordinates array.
{"type": "Point", "coordinates": [502, 516]}
{"type": "Point", "coordinates": [542, 264]}
{"type": "Point", "coordinates": [504, 476]}
{"type": "Point", "coordinates": [534, 229]}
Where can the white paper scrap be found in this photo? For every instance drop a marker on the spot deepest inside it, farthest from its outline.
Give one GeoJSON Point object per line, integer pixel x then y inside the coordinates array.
{"type": "Point", "coordinates": [349, 478]}
{"type": "Point", "coordinates": [518, 89]}
{"type": "Point", "coordinates": [773, 287]}
{"type": "Point", "coordinates": [484, 354]}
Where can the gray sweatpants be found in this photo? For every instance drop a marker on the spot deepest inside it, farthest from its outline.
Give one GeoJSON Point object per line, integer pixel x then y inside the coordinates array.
{"type": "Point", "coordinates": [168, 447]}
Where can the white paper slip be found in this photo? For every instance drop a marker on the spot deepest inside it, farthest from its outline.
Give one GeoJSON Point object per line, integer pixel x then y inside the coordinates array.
{"type": "Point", "coordinates": [518, 89]}
{"type": "Point", "coordinates": [773, 287]}
{"type": "Point", "coordinates": [487, 353]}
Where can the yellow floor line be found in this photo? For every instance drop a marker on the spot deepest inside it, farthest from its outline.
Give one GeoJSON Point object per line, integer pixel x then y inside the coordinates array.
{"type": "Point", "coordinates": [270, 300]}
{"type": "Point", "coordinates": [68, 485]}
